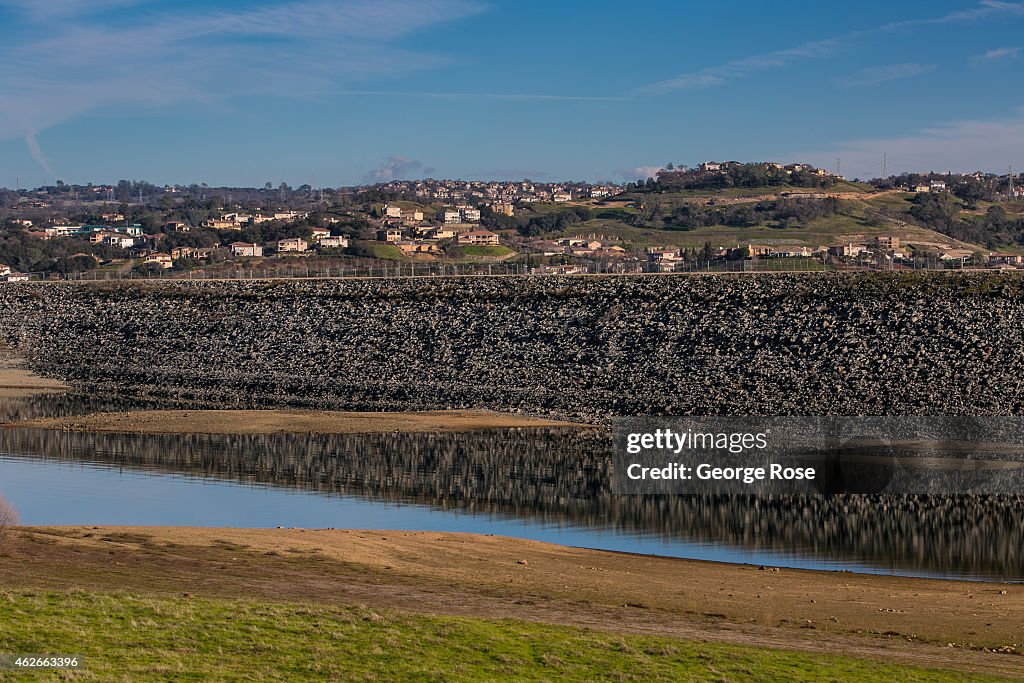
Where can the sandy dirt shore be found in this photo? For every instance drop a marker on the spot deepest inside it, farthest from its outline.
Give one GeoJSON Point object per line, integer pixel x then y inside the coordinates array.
{"type": "Point", "coordinates": [286, 422]}
{"type": "Point", "coordinates": [16, 380]}
{"type": "Point", "coordinates": [933, 623]}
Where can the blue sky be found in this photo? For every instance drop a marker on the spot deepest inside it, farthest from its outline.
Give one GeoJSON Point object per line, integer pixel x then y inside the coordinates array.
{"type": "Point", "coordinates": [349, 91]}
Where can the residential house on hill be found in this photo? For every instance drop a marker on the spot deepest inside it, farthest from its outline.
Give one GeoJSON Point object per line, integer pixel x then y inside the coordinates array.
{"type": "Point", "coordinates": [163, 260]}
{"type": "Point", "coordinates": [333, 242]}
{"type": "Point", "coordinates": [1006, 259]}
{"type": "Point", "coordinates": [441, 233]}
{"type": "Point", "coordinates": [292, 244]}
{"type": "Point", "coordinates": [663, 260]}
{"type": "Point", "coordinates": [243, 249]}
{"type": "Point", "coordinates": [961, 255]}
{"type": "Point", "coordinates": [478, 237]}
{"type": "Point", "coordinates": [221, 224]}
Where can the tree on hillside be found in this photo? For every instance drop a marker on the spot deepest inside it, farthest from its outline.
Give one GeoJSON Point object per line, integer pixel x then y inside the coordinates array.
{"type": "Point", "coordinates": [935, 210]}
{"type": "Point", "coordinates": [971, 191]}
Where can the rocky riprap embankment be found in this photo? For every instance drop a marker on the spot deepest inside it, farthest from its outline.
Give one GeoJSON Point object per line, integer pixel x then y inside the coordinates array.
{"type": "Point", "coordinates": [582, 348]}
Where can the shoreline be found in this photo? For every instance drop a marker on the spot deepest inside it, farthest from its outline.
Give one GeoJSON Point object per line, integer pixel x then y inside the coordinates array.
{"type": "Point", "coordinates": [928, 622]}
{"type": "Point", "coordinates": [281, 421]}
{"type": "Point", "coordinates": [16, 381]}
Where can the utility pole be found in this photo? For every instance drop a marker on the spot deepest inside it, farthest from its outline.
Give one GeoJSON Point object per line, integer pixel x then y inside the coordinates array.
{"type": "Point", "coordinates": [885, 165]}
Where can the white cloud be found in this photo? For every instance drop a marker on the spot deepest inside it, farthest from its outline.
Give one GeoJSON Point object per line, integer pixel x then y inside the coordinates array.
{"type": "Point", "coordinates": [986, 9]}
{"type": "Point", "coordinates": [484, 96]}
{"type": "Point", "coordinates": [1000, 54]}
{"type": "Point", "coordinates": [48, 10]}
{"type": "Point", "coordinates": [638, 172]}
{"type": "Point", "coordinates": [883, 74]}
{"type": "Point", "coordinates": [821, 49]}
{"type": "Point", "coordinates": [740, 68]}
{"type": "Point", "coordinates": [61, 70]}
{"type": "Point", "coordinates": [970, 145]}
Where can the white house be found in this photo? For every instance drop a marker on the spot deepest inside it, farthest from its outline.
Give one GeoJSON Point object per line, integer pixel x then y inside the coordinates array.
{"type": "Point", "coordinates": [120, 241]}
{"type": "Point", "coordinates": [392, 211]}
{"type": "Point", "coordinates": [334, 242]}
{"type": "Point", "coordinates": [62, 231]}
{"type": "Point", "coordinates": [289, 215]}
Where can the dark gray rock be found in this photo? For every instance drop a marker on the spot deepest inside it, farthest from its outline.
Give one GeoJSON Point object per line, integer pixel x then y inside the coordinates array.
{"type": "Point", "coordinates": [575, 347]}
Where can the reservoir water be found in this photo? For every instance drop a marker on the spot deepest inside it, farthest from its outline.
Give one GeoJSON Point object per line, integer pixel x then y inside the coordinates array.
{"type": "Point", "coordinates": [548, 485]}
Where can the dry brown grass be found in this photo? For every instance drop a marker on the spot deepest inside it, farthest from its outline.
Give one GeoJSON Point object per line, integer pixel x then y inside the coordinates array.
{"type": "Point", "coordinates": [465, 575]}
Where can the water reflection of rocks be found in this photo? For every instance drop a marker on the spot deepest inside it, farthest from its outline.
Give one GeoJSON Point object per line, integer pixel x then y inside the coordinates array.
{"type": "Point", "coordinates": [36, 406]}
{"type": "Point", "coordinates": [561, 476]}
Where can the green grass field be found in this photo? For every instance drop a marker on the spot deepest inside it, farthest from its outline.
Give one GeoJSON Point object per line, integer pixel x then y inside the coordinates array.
{"type": "Point", "coordinates": [493, 251]}
{"type": "Point", "coordinates": [386, 251]}
{"type": "Point", "coordinates": [133, 638]}
{"type": "Point", "coordinates": [865, 218]}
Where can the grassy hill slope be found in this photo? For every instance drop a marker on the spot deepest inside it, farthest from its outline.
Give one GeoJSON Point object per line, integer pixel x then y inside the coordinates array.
{"type": "Point", "coordinates": [862, 213]}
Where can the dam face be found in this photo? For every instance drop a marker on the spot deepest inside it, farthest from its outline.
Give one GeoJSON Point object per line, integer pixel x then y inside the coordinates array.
{"type": "Point", "coordinates": [583, 348]}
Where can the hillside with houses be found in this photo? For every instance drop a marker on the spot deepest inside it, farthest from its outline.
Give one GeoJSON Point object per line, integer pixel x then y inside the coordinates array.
{"type": "Point", "coordinates": [717, 215]}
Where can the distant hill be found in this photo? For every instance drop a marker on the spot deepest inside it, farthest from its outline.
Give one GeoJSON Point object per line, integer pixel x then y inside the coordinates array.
{"type": "Point", "coordinates": [845, 211]}
{"type": "Point", "coordinates": [728, 202]}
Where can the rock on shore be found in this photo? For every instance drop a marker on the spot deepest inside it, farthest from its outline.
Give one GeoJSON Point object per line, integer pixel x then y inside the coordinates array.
{"type": "Point", "coordinates": [575, 348]}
